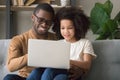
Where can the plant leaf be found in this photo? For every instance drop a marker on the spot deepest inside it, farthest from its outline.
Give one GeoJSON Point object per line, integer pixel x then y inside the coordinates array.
{"type": "Point", "coordinates": [101, 22]}
{"type": "Point", "coordinates": [97, 18]}
{"type": "Point", "coordinates": [108, 30]}
{"type": "Point", "coordinates": [117, 18]}
{"type": "Point", "coordinates": [102, 36]}
{"type": "Point", "coordinates": [108, 6]}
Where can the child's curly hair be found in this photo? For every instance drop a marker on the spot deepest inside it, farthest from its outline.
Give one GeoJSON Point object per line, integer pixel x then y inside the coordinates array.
{"type": "Point", "coordinates": [76, 15]}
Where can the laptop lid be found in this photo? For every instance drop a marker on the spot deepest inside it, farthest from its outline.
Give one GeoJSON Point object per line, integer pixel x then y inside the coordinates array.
{"type": "Point", "coordinates": [48, 53]}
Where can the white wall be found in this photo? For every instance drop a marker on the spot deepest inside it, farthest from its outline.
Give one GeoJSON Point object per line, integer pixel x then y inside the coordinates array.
{"type": "Point", "coordinates": [24, 21]}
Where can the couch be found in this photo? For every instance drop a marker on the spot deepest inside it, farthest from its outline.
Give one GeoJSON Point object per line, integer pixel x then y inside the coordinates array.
{"type": "Point", "coordinates": [107, 64]}
{"type": "Point", "coordinates": [105, 67]}
{"type": "Point", "coordinates": [4, 44]}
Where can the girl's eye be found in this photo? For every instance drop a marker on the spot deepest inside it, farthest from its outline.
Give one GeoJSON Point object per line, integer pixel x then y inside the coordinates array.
{"type": "Point", "coordinates": [62, 28]}
{"type": "Point", "coordinates": [71, 27]}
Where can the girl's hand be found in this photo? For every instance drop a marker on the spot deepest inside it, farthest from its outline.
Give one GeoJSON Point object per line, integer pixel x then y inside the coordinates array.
{"type": "Point", "coordinates": [75, 72]}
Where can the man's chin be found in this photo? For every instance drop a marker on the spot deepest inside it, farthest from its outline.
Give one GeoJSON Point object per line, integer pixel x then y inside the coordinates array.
{"type": "Point", "coordinates": [42, 32]}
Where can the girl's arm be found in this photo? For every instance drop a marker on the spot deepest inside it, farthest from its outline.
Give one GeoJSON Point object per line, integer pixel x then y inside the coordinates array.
{"type": "Point", "coordinates": [85, 64]}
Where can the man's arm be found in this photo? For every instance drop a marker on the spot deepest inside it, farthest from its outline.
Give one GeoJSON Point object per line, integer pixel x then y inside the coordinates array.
{"type": "Point", "coordinates": [16, 59]}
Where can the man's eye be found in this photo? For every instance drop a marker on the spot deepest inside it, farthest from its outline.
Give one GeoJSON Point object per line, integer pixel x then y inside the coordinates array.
{"type": "Point", "coordinates": [41, 19]}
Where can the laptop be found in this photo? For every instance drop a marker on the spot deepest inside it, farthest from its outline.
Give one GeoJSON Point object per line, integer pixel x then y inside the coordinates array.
{"type": "Point", "coordinates": [48, 53]}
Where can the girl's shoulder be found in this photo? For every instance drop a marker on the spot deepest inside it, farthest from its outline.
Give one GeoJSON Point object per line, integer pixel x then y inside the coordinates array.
{"type": "Point", "coordinates": [83, 41]}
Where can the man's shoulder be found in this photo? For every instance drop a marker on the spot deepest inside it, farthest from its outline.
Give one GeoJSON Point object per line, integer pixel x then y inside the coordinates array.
{"type": "Point", "coordinates": [21, 36]}
{"type": "Point", "coordinates": [51, 33]}
{"type": "Point", "coordinates": [52, 36]}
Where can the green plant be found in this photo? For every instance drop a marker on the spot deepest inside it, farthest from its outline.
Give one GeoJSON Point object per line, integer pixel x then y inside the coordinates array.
{"type": "Point", "coordinates": [101, 22]}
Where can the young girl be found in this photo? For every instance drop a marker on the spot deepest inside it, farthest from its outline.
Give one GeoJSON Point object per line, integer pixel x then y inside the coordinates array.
{"type": "Point", "coordinates": [71, 25]}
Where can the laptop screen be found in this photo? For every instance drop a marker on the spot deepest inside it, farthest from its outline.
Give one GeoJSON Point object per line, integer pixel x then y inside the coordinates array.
{"type": "Point", "coordinates": [48, 53]}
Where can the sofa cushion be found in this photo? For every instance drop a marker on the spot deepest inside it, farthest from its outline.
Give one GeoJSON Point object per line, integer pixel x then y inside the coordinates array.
{"type": "Point", "coordinates": [4, 44]}
{"type": "Point", "coordinates": [107, 64]}
{"type": "Point", "coordinates": [3, 54]}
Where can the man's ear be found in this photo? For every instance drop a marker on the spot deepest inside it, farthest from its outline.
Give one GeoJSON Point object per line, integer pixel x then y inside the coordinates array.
{"type": "Point", "coordinates": [33, 18]}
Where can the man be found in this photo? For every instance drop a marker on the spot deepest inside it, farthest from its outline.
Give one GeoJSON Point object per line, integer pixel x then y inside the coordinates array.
{"type": "Point", "coordinates": [42, 18]}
